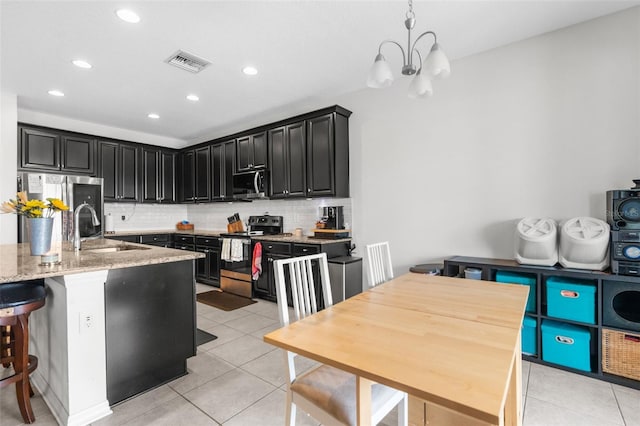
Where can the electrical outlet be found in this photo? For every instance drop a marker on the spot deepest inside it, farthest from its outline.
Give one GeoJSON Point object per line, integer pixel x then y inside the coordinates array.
{"type": "Point", "coordinates": [123, 217]}
{"type": "Point", "coordinates": [86, 321]}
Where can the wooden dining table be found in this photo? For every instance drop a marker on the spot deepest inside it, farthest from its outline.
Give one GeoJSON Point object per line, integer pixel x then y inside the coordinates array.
{"type": "Point", "coordinates": [452, 342]}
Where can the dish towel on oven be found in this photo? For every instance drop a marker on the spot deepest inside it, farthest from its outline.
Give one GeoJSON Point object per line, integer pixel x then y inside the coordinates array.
{"type": "Point", "coordinates": [256, 264]}
{"type": "Point", "coordinates": [225, 251]}
{"type": "Point", "coordinates": [236, 250]}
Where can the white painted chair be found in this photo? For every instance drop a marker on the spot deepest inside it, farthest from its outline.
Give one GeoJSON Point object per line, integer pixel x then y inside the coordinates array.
{"type": "Point", "coordinates": [379, 261]}
{"type": "Point", "coordinates": [326, 393]}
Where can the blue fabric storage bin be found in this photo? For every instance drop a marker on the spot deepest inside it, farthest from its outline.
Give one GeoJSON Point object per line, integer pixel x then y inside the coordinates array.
{"type": "Point", "coordinates": [571, 299]}
{"type": "Point", "coordinates": [566, 344]}
{"type": "Point", "coordinates": [529, 343]}
{"type": "Point", "coordinates": [520, 278]}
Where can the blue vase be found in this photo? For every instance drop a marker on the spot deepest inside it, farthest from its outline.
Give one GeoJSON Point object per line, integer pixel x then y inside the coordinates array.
{"type": "Point", "coordinates": [40, 229]}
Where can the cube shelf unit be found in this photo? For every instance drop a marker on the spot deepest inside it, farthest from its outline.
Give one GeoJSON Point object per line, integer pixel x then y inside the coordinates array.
{"type": "Point", "coordinates": [455, 266]}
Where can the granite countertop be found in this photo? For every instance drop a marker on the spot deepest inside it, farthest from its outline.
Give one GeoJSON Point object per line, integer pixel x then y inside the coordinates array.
{"type": "Point", "coordinates": [287, 237]}
{"type": "Point", "coordinates": [17, 264]}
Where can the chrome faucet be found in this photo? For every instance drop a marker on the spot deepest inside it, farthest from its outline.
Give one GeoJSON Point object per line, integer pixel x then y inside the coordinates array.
{"type": "Point", "coordinates": [76, 227]}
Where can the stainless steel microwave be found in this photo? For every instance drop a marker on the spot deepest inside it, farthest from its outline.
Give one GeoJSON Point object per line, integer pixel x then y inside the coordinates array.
{"type": "Point", "coordinates": [250, 185]}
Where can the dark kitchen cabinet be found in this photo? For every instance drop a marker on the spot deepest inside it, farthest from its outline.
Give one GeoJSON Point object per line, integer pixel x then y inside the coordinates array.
{"type": "Point", "coordinates": [158, 240]}
{"type": "Point", "coordinates": [222, 166]}
{"type": "Point", "coordinates": [265, 286]}
{"type": "Point", "coordinates": [78, 154]}
{"type": "Point", "coordinates": [327, 156]}
{"type": "Point", "coordinates": [158, 176]}
{"type": "Point", "coordinates": [128, 181]}
{"type": "Point", "coordinates": [184, 242]}
{"type": "Point", "coordinates": [186, 171]}
{"type": "Point", "coordinates": [119, 166]}
{"type": "Point", "coordinates": [252, 152]}
{"type": "Point", "coordinates": [203, 174]}
{"type": "Point", "coordinates": [196, 175]}
{"type": "Point", "coordinates": [311, 158]}
{"type": "Point", "coordinates": [208, 268]}
{"type": "Point", "coordinates": [51, 150]}
{"type": "Point", "coordinates": [287, 159]}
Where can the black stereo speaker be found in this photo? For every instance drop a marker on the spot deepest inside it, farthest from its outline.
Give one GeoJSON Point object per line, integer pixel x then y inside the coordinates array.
{"type": "Point", "coordinates": [623, 209]}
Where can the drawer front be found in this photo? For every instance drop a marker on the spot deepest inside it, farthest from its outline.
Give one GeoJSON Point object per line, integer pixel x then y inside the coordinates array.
{"type": "Point", "coordinates": [127, 238]}
{"type": "Point", "coordinates": [276, 248]}
{"type": "Point", "coordinates": [156, 238]}
{"type": "Point", "coordinates": [182, 246]}
{"type": "Point", "coordinates": [207, 241]}
{"type": "Point", "coordinates": [184, 239]}
{"type": "Point", "coordinates": [305, 249]}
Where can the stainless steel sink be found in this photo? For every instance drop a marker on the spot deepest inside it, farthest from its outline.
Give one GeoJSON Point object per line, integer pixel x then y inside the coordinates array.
{"type": "Point", "coordinates": [124, 247]}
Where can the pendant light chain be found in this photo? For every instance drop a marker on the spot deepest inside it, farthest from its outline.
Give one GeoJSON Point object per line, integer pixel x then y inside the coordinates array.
{"type": "Point", "coordinates": [410, 13]}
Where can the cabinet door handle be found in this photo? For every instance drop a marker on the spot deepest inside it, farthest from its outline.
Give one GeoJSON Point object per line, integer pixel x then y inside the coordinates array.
{"type": "Point", "coordinates": [270, 260]}
{"type": "Point", "coordinates": [305, 250]}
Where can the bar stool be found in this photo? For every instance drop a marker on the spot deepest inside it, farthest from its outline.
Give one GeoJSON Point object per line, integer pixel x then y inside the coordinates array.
{"type": "Point", "coordinates": [17, 301]}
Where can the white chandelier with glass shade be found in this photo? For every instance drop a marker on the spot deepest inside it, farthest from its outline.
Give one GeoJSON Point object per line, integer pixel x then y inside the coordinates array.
{"type": "Point", "coordinates": [435, 66]}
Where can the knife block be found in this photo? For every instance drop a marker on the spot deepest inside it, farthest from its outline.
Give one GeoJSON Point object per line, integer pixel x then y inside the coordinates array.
{"type": "Point", "coordinates": [235, 227]}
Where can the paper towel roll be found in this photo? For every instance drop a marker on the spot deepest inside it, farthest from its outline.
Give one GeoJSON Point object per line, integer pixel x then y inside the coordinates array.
{"type": "Point", "coordinates": [108, 224]}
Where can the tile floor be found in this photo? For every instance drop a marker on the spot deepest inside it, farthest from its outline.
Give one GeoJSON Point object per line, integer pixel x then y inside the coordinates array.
{"type": "Point", "coordinates": [237, 380]}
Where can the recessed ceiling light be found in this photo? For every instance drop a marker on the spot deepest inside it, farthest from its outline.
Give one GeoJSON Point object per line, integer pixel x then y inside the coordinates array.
{"type": "Point", "coordinates": [154, 116]}
{"type": "Point", "coordinates": [81, 64]}
{"type": "Point", "coordinates": [128, 16]}
{"type": "Point", "coordinates": [55, 93]}
{"type": "Point", "coordinates": [249, 70]}
{"type": "Point", "coordinates": [193, 98]}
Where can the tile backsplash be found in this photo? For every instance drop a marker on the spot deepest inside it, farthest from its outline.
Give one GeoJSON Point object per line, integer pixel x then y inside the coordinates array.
{"type": "Point", "coordinates": [296, 213]}
{"type": "Point", "coordinates": [145, 216]}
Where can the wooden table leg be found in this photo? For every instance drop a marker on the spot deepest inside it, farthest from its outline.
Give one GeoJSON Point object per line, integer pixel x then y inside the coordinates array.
{"type": "Point", "coordinates": [363, 401]}
{"type": "Point", "coordinates": [513, 403]}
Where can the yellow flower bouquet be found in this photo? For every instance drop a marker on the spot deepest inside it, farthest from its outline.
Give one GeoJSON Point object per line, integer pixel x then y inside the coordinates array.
{"type": "Point", "coordinates": [33, 208]}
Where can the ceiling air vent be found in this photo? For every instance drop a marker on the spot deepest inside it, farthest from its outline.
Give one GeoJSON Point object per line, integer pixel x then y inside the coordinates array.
{"type": "Point", "coordinates": [187, 61]}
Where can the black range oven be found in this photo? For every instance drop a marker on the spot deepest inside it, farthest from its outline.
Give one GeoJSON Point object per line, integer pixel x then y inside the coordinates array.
{"type": "Point", "coordinates": [235, 248]}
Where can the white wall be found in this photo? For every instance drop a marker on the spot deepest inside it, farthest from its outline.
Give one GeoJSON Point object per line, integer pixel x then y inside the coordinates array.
{"type": "Point", "coordinates": [59, 122]}
{"type": "Point", "coordinates": [8, 164]}
{"type": "Point", "coordinates": [542, 127]}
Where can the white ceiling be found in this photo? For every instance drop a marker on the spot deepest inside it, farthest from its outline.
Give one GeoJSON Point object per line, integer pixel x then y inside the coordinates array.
{"type": "Point", "coordinates": [304, 51]}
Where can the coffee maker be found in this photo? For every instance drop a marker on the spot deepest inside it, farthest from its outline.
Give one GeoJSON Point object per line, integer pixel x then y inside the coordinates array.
{"type": "Point", "coordinates": [333, 217]}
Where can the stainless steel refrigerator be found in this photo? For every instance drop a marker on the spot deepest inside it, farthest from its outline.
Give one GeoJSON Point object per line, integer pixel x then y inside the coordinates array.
{"type": "Point", "coordinates": [73, 191]}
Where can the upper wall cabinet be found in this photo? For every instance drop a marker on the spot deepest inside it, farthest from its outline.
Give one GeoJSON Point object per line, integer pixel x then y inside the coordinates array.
{"type": "Point", "coordinates": [311, 158]}
{"type": "Point", "coordinates": [287, 156]}
{"type": "Point", "coordinates": [52, 150]}
{"type": "Point", "coordinates": [223, 159]}
{"type": "Point", "coordinates": [120, 168]}
{"type": "Point", "coordinates": [195, 173]}
{"type": "Point", "coordinates": [252, 152]}
{"type": "Point", "coordinates": [158, 176]}
{"type": "Point", "coordinates": [328, 156]}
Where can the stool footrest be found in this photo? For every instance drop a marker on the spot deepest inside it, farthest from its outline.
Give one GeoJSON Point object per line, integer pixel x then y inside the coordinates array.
{"type": "Point", "coordinates": [9, 380]}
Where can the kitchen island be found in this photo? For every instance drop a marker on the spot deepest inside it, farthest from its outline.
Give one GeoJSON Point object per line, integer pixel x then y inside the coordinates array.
{"type": "Point", "coordinates": [119, 319]}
